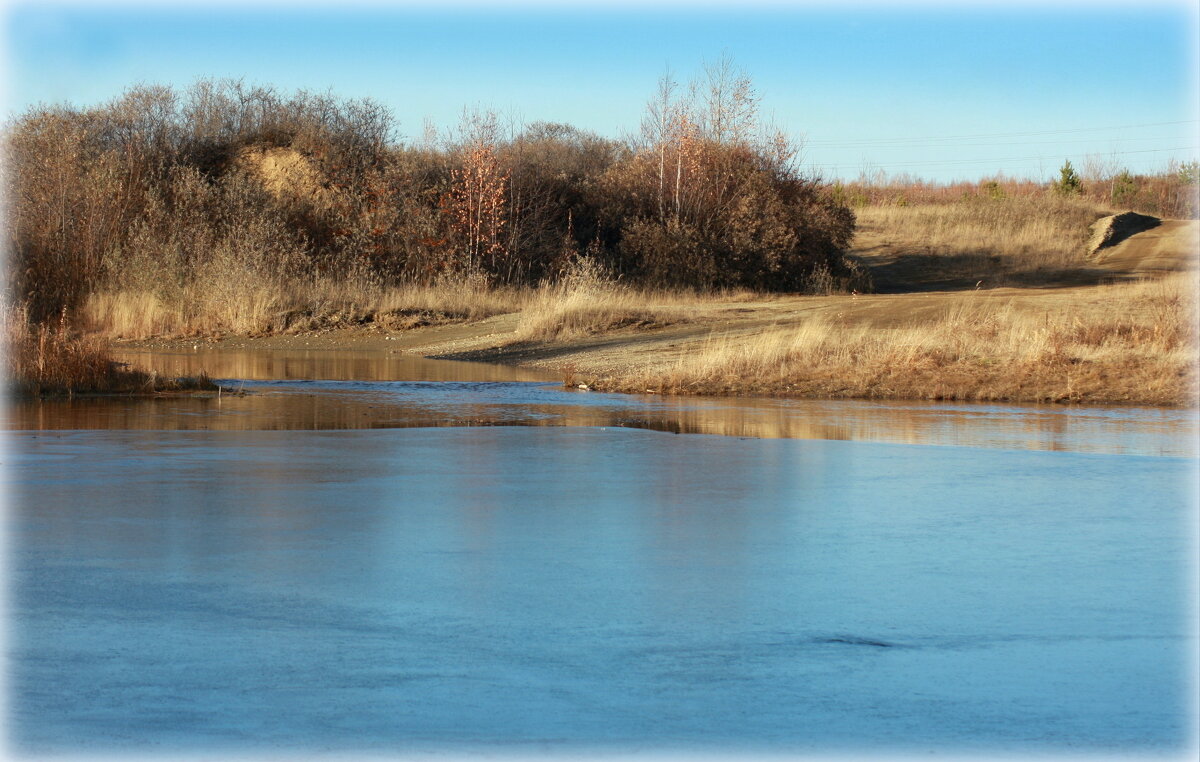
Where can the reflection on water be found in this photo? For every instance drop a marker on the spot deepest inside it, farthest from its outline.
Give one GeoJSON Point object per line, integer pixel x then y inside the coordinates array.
{"type": "Point", "coordinates": [587, 585]}
{"type": "Point", "coordinates": [325, 405]}
{"type": "Point", "coordinates": [435, 393]}
{"type": "Point", "coordinates": [322, 364]}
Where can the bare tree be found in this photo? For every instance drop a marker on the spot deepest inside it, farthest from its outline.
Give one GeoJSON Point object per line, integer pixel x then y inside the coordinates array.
{"type": "Point", "coordinates": [476, 203]}
{"type": "Point", "coordinates": [730, 101]}
{"type": "Point", "coordinates": [661, 113]}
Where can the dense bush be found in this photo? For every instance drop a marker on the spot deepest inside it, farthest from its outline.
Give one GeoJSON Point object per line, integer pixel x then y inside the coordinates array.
{"type": "Point", "coordinates": [162, 192]}
{"type": "Point", "coordinates": [156, 187]}
{"type": "Point", "coordinates": [737, 220]}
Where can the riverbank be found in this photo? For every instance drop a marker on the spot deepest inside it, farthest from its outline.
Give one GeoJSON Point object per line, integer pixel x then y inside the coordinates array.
{"type": "Point", "coordinates": [53, 361]}
{"type": "Point", "coordinates": [1121, 343]}
{"type": "Point", "coordinates": [1119, 328]}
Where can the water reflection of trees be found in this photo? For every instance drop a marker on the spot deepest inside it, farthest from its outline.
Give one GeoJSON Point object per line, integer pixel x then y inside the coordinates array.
{"type": "Point", "coordinates": [326, 364]}
{"type": "Point", "coordinates": [292, 407]}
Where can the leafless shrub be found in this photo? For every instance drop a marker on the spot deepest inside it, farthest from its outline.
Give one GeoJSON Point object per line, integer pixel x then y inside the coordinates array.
{"type": "Point", "coordinates": [221, 205]}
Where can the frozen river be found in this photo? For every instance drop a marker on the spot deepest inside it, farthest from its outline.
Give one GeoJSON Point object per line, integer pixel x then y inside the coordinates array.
{"type": "Point", "coordinates": [399, 565]}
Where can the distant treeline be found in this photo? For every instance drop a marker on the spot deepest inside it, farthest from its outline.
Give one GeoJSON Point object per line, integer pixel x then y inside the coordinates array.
{"type": "Point", "coordinates": [1173, 193]}
{"type": "Point", "coordinates": [159, 190]}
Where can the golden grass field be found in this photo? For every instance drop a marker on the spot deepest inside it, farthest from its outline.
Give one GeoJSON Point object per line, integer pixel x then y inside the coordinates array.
{"type": "Point", "coordinates": [1131, 343]}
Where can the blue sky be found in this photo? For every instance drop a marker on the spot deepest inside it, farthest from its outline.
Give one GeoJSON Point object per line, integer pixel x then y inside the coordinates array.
{"type": "Point", "coordinates": [942, 91]}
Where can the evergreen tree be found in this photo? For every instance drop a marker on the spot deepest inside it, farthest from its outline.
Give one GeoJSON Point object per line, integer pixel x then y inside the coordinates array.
{"type": "Point", "coordinates": [1069, 183]}
{"type": "Point", "coordinates": [1124, 189]}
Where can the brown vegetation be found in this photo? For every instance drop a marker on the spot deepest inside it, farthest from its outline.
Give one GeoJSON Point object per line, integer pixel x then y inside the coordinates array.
{"type": "Point", "coordinates": [712, 200]}
{"type": "Point", "coordinates": [1030, 239]}
{"type": "Point", "coordinates": [1139, 347]}
{"type": "Point", "coordinates": [587, 301]}
{"type": "Point", "coordinates": [228, 205]}
{"type": "Point", "coordinates": [255, 308]}
{"type": "Point", "coordinates": [49, 360]}
{"type": "Point", "coordinates": [1173, 193]}
{"type": "Point", "coordinates": [238, 210]}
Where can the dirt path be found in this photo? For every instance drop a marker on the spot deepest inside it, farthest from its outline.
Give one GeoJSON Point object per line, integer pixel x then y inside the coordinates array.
{"type": "Point", "coordinates": [1169, 247]}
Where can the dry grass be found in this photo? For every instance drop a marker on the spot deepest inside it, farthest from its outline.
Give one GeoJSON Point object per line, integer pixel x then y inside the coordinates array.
{"type": "Point", "coordinates": [976, 239]}
{"type": "Point", "coordinates": [1140, 347]}
{"type": "Point", "coordinates": [985, 238]}
{"type": "Point", "coordinates": [573, 307]}
{"type": "Point", "coordinates": [588, 301]}
{"type": "Point", "coordinates": [132, 314]}
{"type": "Point", "coordinates": [557, 314]}
{"type": "Point", "coordinates": [50, 360]}
{"type": "Point", "coordinates": [250, 307]}
{"type": "Point", "coordinates": [145, 314]}
{"type": "Point", "coordinates": [461, 298]}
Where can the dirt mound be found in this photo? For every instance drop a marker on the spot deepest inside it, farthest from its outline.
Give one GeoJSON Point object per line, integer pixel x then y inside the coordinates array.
{"type": "Point", "coordinates": [1171, 246]}
{"type": "Point", "coordinates": [284, 172]}
{"type": "Point", "coordinates": [1111, 230]}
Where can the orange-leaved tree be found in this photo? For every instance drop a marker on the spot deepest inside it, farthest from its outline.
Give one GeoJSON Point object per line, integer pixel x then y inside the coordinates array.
{"type": "Point", "coordinates": [476, 204]}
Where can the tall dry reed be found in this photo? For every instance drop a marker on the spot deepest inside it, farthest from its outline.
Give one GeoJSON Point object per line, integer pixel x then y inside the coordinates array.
{"type": "Point", "coordinates": [257, 306]}
{"type": "Point", "coordinates": [42, 359]}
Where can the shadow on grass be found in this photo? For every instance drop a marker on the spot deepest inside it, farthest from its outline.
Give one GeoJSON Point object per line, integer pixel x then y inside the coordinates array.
{"type": "Point", "coordinates": [914, 273]}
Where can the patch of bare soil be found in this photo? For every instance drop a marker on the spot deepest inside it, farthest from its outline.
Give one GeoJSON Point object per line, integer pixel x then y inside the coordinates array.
{"type": "Point", "coordinates": [1170, 246]}
{"type": "Point", "coordinates": [283, 172]}
{"type": "Point", "coordinates": [1111, 230]}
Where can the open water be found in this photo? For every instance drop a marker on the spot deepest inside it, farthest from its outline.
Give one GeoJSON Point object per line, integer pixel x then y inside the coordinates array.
{"type": "Point", "coordinates": [410, 557]}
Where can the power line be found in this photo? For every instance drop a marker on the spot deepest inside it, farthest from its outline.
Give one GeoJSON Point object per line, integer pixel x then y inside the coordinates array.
{"type": "Point", "coordinates": [961, 162]}
{"type": "Point", "coordinates": [1089, 141]}
{"type": "Point", "coordinates": [979, 136]}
